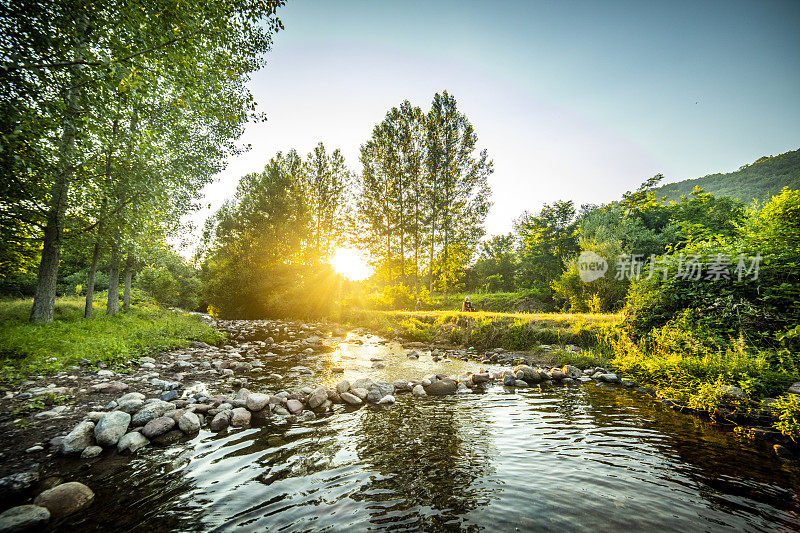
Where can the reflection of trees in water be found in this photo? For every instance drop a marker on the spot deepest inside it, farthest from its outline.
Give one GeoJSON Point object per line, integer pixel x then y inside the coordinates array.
{"type": "Point", "coordinates": [431, 456]}
{"type": "Point", "coordinates": [733, 475]}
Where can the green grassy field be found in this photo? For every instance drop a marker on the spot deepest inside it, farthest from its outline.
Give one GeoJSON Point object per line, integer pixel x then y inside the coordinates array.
{"type": "Point", "coordinates": [486, 330]}
{"type": "Point", "coordinates": [27, 349]}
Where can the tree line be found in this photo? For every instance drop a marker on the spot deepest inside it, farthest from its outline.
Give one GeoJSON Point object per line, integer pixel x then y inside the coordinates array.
{"type": "Point", "coordinates": [113, 116]}
{"type": "Point", "coordinates": [417, 205]}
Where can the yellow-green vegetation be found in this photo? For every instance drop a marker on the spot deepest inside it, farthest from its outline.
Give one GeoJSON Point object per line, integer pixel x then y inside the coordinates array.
{"type": "Point", "coordinates": [511, 331]}
{"type": "Point", "coordinates": [27, 349]}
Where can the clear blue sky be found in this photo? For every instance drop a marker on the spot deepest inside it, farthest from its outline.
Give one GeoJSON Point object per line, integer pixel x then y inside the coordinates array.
{"type": "Point", "coordinates": [577, 100]}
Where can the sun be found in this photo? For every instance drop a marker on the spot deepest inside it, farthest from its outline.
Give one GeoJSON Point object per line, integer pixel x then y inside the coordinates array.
{"type": "Point", "coordinates": [351, 263]}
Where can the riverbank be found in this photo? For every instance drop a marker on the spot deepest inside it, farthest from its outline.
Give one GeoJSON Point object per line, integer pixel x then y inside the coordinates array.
{"type": "Point", "coordinates": [485, 330]}
{"type": "Point", "coordinates": [32, 349]}
{"type": "Point", "coordinates": [268, 374]}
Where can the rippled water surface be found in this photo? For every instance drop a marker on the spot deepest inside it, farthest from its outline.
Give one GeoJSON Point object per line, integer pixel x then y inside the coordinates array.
{"type": "Point", "coordinates": [551, 458]}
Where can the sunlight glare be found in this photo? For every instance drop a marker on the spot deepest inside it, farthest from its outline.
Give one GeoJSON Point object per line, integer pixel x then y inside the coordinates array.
{"type": "Point", "coordinates": [351, 263]}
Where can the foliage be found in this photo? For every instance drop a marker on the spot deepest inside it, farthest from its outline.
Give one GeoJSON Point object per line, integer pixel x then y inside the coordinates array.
{"type": "Point", "coordinates": [34, 349]}
{"type": "Point", "coordinates": [787, 409]}
{"type": "Point", "coordinates": [423, 194]}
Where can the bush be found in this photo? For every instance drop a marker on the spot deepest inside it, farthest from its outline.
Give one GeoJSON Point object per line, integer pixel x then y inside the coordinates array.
{"type": "Point", "coordinates": [159, 283]}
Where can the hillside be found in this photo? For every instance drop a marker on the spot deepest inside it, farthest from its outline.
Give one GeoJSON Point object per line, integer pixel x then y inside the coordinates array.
{"type": "Point", "coordinates": [759, 180]}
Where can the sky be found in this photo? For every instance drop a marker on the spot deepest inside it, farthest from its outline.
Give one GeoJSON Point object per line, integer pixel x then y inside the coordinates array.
{"type": "Point", "coordinates": [579, 100]}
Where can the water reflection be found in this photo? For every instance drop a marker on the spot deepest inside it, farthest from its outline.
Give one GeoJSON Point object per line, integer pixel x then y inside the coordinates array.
{"type": "Point", "coordinates": [545, 459]}
{"type": "Point", "coordinates": [428, 455]}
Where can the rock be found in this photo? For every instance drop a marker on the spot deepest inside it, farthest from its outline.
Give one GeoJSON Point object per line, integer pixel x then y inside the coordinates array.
{"type": "Point", "coordinates": [158, 426]}
{"type": "Point", "coordinates": [402, 385]}
{"type": "Point", "coordinates": [362, 383]}
{"type": "Point", "coordinates": [240, 417]}
{"type": "Point", "coordinates": [343, 386]}
{"type": "Point", "coordinates": [65, 499]}
{"type": "Point", "coordinates": [151, 411]}
{"type": "Point", "coordinates": [13, 485]}
{"type": "Point", "coordinates": [317, 397]}
{"type": "Point", "coordinates": [109, 387]}
{"type": "Point", "coordinates": [529, 374]}
{"type": "Point", "coordinates": [220, 421]}
{"type": "Point", "coordinates": [130, 406]}
{"type": "Point", "coordinates": [111, 427]}
{"type": "Point", "coordinates": [374, 395]}
{"type": "Point", "coordinates": [189, 422]}
{"type": "Point", "coordinates": [557, 375]}
{"type": "Point", "coordinates": [256, 401]}
{"type": "Point", "coordinates": [418, 390]}
{"type": "Point", "coordinates": [795, 388]}
{"type": "Point", "coordinates": [509, 380]}
{"type": "Point", "coordinates": [169, 438]}
{"type": "Point", "coordinates": [730, 391]}
{"type": "Point", "coordinates": [521, 384]}
{"type": "Point", "coordinates": [105, 374]}
{"type": "Point", "coordinates": [294, 406]}
{"type": "Point", "coordinates": [23, 518]}
{"type": "Point", "coordinates": [131, 442]}
{"type": "Point", "coordinates": [34, 449]}
{"type": "Point", "coordinates": [481, 378]}
{"type": "Point", "coordinates": [350, 399]}
{"type": "Point", "coordinates": [608, 378]}
{"type": "Point", "coordinates": [169, 395]}
{"type": "Point", "coordinates": [388, 399]}
{"type": "Point", "coordinates": [572, 371]}
{"type": "Point", "coordinates": [90, 452]}
{"type": "Point", "coordinates": [78, 439]}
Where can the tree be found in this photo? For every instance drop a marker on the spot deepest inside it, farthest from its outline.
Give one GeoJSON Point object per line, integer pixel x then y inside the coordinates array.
{"type": "Point", "coordinates": [67, 64]}
{"type": "Point", "coordinates": [546, 241]}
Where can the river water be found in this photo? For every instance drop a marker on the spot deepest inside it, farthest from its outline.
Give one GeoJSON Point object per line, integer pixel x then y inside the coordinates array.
{"type": "Point", "coordinates": [549, 458]}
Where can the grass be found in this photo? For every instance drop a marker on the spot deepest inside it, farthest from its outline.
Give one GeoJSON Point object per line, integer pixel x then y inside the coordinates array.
{"type": "Point", "coordinates": [483, 330]}
{"type": "Point", "coordinates": [27, 349]}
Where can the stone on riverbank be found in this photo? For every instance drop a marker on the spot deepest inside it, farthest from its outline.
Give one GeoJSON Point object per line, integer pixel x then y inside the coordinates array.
{"type": "Point", "coordinates": [350, 399]}
{"type": "Point", "coordinates": [220, 421]}
{"type": "Point", "coordinates": [78, 439]}
{"type": "Point", "coordinates": [294, 406]}
{"type": "Point", "coordinates": [317, 398]}
{"type": "Point", "coordinates": [23, 518]}
{"type": "Point", "coordinates": [343, 386]}
{"type": "Point", "coordinates": [240, 417]}
{"type": "Point", "coordinates": [189, 422]}
{"type": "Point", "coordinates": [151, 411]}
{"type": "Point", "coordinates": [65, 499]}
{"type": "Point", "coordinates": [111, 427]}
{"type": "Point", "coordinates": [529, 373]}
{"type": "Point", "coordinates": [131, 442]}
{"type": "Point", "coordinates": [257, 401]}
{"type": "Point", "coordinates": [158, 426]}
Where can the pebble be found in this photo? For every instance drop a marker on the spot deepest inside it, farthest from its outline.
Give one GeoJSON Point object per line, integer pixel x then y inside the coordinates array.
{"type": "Point", "coordinates": [33, 449]}
{"type": "Point", "coordinates": [351, 399]}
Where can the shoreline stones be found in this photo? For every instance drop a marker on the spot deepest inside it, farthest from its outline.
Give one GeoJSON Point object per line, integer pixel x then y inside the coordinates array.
{"type": "Point", "coordinates": [65, 499]}
{"type": "Point", "coordinates": [23, 518]}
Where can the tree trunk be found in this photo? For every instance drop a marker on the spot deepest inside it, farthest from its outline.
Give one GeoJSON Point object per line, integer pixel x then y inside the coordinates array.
{"type": "Point", "coordinates": [44, 299]}
{"type": "Point", "coordinates": [87, 310]}
{"type": "Point", "coordinates": [126, 295]}
{"type": "Point", "coordinates": [112, 307]}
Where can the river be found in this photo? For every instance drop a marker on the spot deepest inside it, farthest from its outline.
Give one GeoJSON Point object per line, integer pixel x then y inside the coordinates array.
{"type": "Point", "coordinates": [549, 458]}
